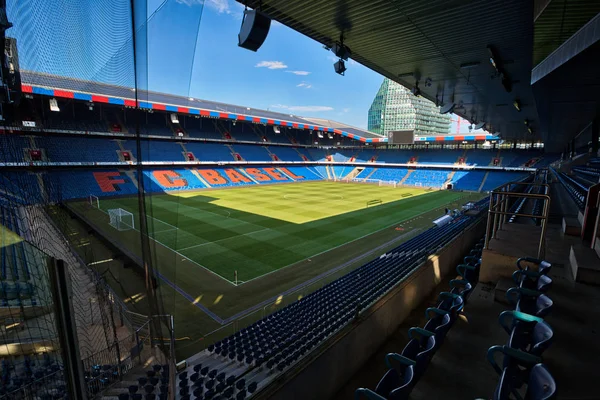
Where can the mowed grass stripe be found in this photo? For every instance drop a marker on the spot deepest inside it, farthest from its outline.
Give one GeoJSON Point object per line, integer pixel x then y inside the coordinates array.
{"type": "Point", "coordinates": [261, 229]}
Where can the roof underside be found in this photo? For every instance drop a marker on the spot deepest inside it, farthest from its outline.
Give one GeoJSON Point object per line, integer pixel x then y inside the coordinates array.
{"type": "Point", "coordinates": [409, 41]}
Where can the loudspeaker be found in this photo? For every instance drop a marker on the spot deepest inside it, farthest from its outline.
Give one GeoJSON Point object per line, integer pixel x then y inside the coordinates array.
{"type": "Point", "coordinates": [254, 30]}
{"type": "Point", "coordinates": [340, 67]}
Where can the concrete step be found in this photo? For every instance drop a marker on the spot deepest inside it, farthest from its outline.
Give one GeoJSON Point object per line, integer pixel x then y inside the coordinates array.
{"type": "Point", "coordinates": [501, 288]}
{"type": "Point", "coordinates": [585, 264]}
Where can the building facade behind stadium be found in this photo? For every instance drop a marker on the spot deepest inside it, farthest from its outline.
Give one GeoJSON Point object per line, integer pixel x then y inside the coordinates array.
{"type": "Point", "coordinates": [396, 108]}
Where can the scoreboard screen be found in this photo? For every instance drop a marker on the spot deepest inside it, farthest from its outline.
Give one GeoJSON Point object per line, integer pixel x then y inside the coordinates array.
{"type": "Point", "coordinates": [401, 137]}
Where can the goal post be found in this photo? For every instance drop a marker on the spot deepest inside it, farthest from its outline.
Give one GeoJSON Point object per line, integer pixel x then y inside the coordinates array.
{"type": "Point", "coordinates": [388, 183]}
{"type": "Point", "coordinates": [94, 201]}
{"type": "Point", "coordinates": [121, 220]}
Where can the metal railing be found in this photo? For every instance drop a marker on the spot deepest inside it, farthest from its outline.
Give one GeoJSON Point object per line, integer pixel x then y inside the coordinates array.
{"type": "Point", "coordinates": [499, 211]}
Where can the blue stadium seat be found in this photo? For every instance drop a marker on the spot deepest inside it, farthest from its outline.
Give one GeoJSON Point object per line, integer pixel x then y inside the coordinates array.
{"type": "Point", "coordinates": [528, 333]}
{"type": "Point", "coordinates": [396, 384]}
{"type": "Point", "coordinates": [540, 384]}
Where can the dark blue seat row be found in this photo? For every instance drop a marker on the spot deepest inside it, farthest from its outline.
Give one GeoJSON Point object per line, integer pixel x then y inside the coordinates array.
{"type": "Point", "coordinates": [405, 369]}
{"type": "Point", "coordinates": [529, 335]}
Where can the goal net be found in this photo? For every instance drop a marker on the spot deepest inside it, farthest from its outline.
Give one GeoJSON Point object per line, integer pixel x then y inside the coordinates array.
{"type": "Point", "coordinates": [388, 183]}
{"type": "Point", "coordinates": [94, 201]}
{"type": "Point", "coordinates": [120, 219]}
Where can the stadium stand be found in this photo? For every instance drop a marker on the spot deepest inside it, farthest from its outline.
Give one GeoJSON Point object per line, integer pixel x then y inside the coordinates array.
{"type": "Point", "coordinates": [61, 149]}
{"type": "Point", "coordinates": [405, 368]}
{"type": "Point", "coordinates": [12, 147]}
{"type": "Point", "coordinates": [387, 174]}
{"type": "Point", "coordinates": [427, 178]}
{"type": "Point", "coordinates": [470, 180]}
{"type": "Point", "coordinates": [495, 179]}
{"type": "Point", "coordinates": [479, 157]}
{"type": "Point", "coordinates": [209, 151]}
{"type": "Point", "coordinates": [438, 156]}
{"type": "Point", "coordinates": [266, 346]}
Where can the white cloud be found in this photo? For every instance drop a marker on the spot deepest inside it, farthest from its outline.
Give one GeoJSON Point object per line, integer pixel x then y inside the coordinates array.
{"type": "Point", "coordinates": [271, 65]}
{"type": "Point", "coordinates": [303, 108]}
{"type": "Point", "coordinates": [333, 58]}
{"type": "Point", "coordinates": [305, 85]}
{"type": "Point", "coordinates": [219, 6]}
{"type": "Point", "coordinates": [301, 73]}
{"type": "Point", "coordinates": [346, 110]}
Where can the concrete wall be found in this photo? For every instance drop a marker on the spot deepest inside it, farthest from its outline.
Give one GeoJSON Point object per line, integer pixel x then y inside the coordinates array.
{"type": "Point", "coordinates": [323, 374]}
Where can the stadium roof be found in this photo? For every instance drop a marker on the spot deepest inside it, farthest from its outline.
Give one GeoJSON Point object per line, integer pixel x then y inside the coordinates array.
{"type": "Point", "coordinates": [428, 42]}
{"type": "Point", "coordinates": [447, 47]}
{"type": "Point", "coordinates": [58, 86]}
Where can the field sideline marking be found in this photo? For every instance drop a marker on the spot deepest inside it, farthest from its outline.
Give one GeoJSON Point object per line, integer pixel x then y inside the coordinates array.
{"type": "Point", "coordinates": [178, 253]}
{"type": "Point", "coordinates": [222, 240]}
{"type": "Point", "coordinates": [343, 244]}
{"type": "Point", "coordinates": [317, 278]}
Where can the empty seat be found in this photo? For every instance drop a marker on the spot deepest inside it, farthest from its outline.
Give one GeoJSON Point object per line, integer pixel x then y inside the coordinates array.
{"type": "Point", "coordinates": [540, 384]}
{"type": "Point", "coordinates": [529, 301]}
{"type": "Point", "coordinates": [396, 384]}
{"type": "Point", "coordinates": [527, 333]}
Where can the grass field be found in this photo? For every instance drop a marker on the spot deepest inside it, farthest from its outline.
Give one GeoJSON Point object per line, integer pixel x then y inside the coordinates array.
{"type": "Point", "coordinates": [260, 229]}
{"type": "Point", "coordinates": [278, 238]}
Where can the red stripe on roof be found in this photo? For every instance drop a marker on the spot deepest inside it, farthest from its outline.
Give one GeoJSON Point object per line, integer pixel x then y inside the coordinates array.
{"type": "Point", "coordinates": [362, 139]}
{"type": "Point", "coordinates": [183, 110]}
{"type": "Point", "coordinates": [459, 138]}
{"type": "Point", "coordinates": [270, 121]}
{"type": "Point", "coordinates": [351, 135]}
{"type": "Point", "coordinates": [99, 99]}
{"type": "Point", "coordinates": [337, 131]}
{"type": "Point", "coordinates": [480, 137]}
{"type": "Point", "coordinates": [26, 89]}
{"type": "Point", "coordinates": [439, 138]}
{"type": "Point", "coordinates": [295, 125]}
{"type": "Point", "coordinates": [63, 93]}
{"type": "Point", "coordinates": [255, 119]}
{"type": "Point", "coordinates": [205, 113]}
{"type": "Point", "coordinates": [223, 115]}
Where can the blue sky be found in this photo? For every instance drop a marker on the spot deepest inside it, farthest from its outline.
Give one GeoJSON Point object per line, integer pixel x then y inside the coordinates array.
{"type": "Point", "coordinates": [290, 73]}
{"type": "Point", "coordinates": [192, 51]}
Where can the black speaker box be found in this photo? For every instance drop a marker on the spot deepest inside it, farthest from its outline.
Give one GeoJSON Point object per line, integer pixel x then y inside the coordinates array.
{"type": "Point", "coordinates": [254, 30]}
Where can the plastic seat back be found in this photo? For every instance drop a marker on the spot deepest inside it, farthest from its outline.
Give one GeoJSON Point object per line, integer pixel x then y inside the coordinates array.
{"type": "Point", "coordinates": [396, 384]}
{"type": "Point", "coordinates": [424, 357]}
{"type": "Point", "coordinates": [541, 336]}
{"type": "Point", "coordinates": [541, 384]}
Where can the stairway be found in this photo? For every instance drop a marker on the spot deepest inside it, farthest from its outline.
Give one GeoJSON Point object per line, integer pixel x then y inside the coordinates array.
{"type": "Point", "coordinates": [410, 171]}
{"type": "Point", "coordinates": [247, 175]}
{"type": "Point", "coordinates": [483, 181]}
{"type": "Point", "coordinates": [233, 152]}
{"type": "Point", "coordinates": [329, 173]}
{"type": "Point", "coordinates": [354, 172]}
{"type": "Point", "coordinates": [120, 144]}
{"type": "Point", "coordinates": [282, 172]}
{"type": "Point", "coordinates": [371, 173]}
{"type": "Point", "coordinates": [449, 178]}
{"type": "Point", "coordinates": [200, 178]}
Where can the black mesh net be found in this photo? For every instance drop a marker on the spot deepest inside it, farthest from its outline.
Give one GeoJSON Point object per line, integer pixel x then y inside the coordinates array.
{"type": "Point", "coordinates": [71, 58]}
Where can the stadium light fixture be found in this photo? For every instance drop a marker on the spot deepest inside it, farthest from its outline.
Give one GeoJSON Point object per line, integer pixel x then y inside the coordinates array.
{"type": "Point", "coordinates": [340, 67]}
{"type": "Point", "coordinates": [517, 105]}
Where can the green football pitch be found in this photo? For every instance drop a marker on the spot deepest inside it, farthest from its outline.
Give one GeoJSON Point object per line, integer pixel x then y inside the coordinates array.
{"type": "Point", "coordinates": [284, 241]}
{"type": "Point", "coordinates": [260, 229]}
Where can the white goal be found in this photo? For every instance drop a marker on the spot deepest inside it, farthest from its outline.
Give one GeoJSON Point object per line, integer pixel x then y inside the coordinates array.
{"type": "Point", "coordinates": [121, 220]}
{"type": "Point", "coordinates": [94, 201]}
{"type": "Point", "coordinates": [388, 183]}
